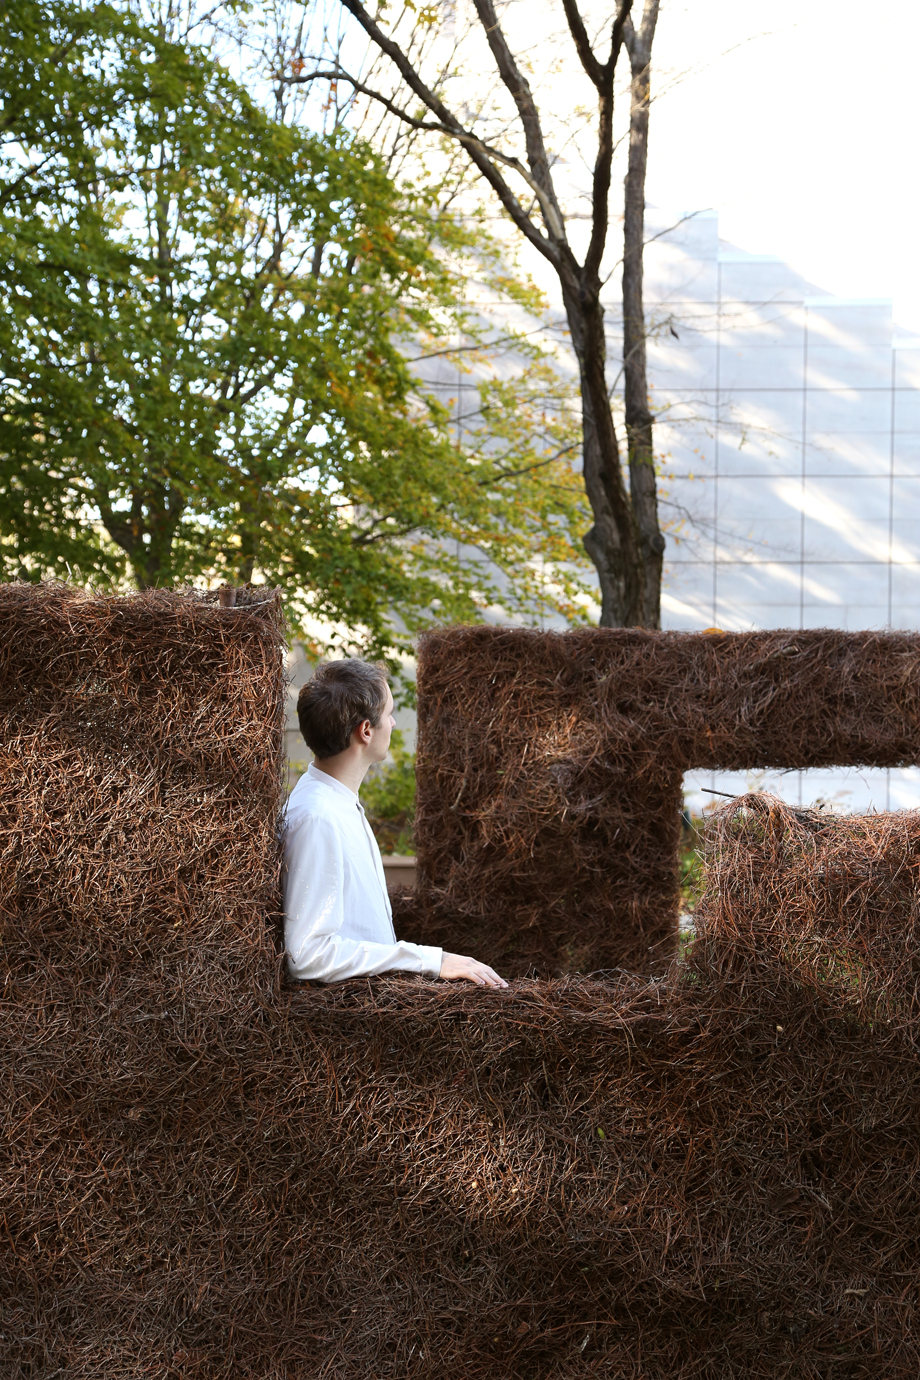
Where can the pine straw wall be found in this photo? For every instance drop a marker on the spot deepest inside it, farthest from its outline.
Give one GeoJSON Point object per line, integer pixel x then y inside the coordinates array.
{"type": "Point", "coordinates": [550, 771]}
{"type": "Point", "coordinates": [139, 796]}
{"type": "Point", "coordinates": [206, 1174]}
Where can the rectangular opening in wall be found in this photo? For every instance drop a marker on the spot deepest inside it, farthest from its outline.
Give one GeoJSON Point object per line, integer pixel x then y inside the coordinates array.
{"type": "Point", "coordinates": [846, 790]}
{"type": "Point", "coordinates": [851, 790]}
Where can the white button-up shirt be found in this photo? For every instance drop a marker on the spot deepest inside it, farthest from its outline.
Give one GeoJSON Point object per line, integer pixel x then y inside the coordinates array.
{"type": "Point", "coordinates": [337, 917]}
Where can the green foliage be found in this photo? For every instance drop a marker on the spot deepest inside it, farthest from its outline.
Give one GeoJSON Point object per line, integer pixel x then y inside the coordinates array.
{"type": "Point", "coordinates": [203, 372]}
{"type": "Point", "coordinates": [691, 863]}
{"type": "Point", "coordinates": [388, 797]}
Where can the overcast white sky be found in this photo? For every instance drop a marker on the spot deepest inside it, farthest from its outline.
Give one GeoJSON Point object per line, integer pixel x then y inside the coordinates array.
{"type": "Point", "coordinates": [804, 137]}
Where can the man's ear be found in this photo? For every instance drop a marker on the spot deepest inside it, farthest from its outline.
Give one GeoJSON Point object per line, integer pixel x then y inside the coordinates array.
{"type": "Point", "coordinates": [364, 731]}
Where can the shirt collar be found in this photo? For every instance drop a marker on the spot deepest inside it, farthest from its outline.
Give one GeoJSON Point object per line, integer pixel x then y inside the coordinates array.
{"type": "Point", "coordinates": [324, 779]}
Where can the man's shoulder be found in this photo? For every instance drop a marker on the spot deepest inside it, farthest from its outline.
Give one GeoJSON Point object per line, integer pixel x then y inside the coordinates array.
{"type": "Point", "coordinates": [312, 800]}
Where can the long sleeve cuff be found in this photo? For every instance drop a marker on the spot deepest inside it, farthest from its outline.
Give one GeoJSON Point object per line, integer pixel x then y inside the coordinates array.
{"type": "Point", "coordinates": [337, 959]}
{"type": "Point", "coordinates": [431, 958]}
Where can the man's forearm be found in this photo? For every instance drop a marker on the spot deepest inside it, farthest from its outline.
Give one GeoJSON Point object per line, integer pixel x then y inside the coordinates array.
{"type": "Point", "coordinates": [333, 958]}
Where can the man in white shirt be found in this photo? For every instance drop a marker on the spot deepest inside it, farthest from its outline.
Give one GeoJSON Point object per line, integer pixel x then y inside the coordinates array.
{"type": "Point", "coordinates": [338, 920]}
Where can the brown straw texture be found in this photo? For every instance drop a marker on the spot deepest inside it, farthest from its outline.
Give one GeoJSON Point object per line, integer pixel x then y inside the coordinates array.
{"type": "Point", "coordinates": [208, 1174]}
{"type": "Point", "coordinates": [550, 770]}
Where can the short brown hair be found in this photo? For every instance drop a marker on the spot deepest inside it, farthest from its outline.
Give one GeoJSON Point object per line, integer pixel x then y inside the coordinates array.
{"type": "Point", "coordinates": [339, 696]}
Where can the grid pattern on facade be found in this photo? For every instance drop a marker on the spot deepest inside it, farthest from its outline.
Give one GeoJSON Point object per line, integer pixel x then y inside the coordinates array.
{"type": "Point", "coordinates": [790, 425]}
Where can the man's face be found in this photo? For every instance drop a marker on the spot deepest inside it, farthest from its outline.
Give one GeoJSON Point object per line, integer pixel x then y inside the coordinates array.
{"type": "Point", "coordinates": [380, 736]}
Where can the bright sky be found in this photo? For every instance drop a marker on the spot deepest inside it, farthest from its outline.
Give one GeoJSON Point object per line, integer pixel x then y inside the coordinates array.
{"type": "Point", "coordinates": [803, 137]}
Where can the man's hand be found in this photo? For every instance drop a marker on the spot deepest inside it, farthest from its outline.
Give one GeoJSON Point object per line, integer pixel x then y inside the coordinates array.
{"type": "Point", "coordinates": [468, 970]}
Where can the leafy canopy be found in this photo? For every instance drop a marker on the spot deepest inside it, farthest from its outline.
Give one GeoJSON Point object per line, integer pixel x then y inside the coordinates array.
{"type": "Point", "coordinates": [205, 327]}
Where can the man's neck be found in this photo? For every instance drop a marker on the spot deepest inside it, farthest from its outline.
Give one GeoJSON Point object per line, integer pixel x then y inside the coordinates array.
{"type": "Point", "coordinates": [348, 768]}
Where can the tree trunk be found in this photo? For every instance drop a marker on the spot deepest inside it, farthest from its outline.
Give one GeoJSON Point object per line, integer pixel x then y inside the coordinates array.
{"type": "Point", "coordinates": [625, 541]}
{"type": "Point", "coordinates": [154, 514]}
{"type": "Point", "coordinates": [642, 484]}
{"type": "Point", "coordinates": [613, 540]}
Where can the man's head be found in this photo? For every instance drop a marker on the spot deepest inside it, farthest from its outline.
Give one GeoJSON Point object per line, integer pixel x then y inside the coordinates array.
{"type": "Point", "coordinates": [346, 704]}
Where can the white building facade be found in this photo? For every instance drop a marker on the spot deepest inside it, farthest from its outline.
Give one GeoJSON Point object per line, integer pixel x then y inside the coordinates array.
{"type": "Point", "coordinates": [788, 431]}
{"type": "Point", "coordinates": [789, 426]}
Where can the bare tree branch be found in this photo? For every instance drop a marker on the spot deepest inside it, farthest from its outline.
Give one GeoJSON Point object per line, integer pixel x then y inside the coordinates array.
{"type": "Point", "coordinates": [528, 469]}
{"type": "Point", "coordinates": [519, 88]}
{"type": "Point", "coordinates": [604, 160]}
{"type": "Point", "coordinates": [454, 127]}
{"type": "Point", "coordinates": [589, 62]}
{"type": "Point", "coordinates": [435, 127]}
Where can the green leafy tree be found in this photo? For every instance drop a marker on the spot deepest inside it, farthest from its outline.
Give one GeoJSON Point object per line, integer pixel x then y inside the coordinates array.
{"type": "Point", "coordinates": [388, 796]}
{"type": "Point", "coordinates": [204, 371]}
